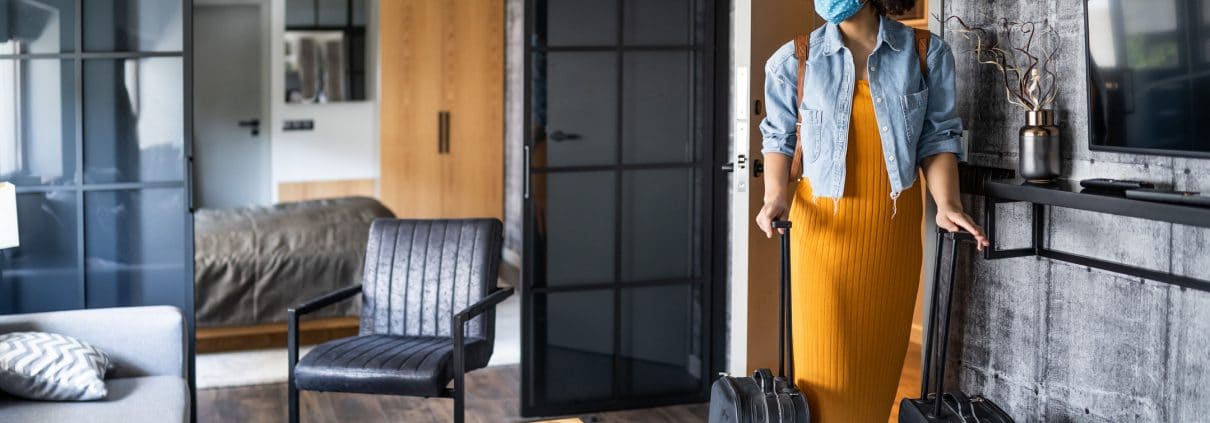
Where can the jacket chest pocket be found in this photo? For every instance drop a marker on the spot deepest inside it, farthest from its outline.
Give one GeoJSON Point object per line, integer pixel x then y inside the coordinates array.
{"type": "Point", "coordinates": [914, 107]}
{"type": "Point", "coordinates": [811, 131]}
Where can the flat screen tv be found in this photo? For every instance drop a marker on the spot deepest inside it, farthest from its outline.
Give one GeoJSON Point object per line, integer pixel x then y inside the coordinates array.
{"type": "Point", "coordinates": [1149, 76]}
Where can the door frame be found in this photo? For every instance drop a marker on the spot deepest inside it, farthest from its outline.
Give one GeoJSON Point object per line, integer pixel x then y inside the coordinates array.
{"type": "Point", "coordinates": [716, 54]}
{"type": "Point", "coordinates": [752, 256]}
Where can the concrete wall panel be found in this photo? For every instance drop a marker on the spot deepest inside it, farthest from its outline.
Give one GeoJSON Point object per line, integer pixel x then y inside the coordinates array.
{"type": "Point", "coordinates": [1104, 347]}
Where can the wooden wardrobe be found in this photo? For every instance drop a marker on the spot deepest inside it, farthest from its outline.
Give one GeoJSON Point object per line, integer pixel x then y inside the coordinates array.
{"type": "Point", "coordinates": [442, 108]}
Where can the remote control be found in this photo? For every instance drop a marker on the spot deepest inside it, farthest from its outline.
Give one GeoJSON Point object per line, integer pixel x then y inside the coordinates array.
{"type": "Point", "coordinates": [1179, 197]}
{"type": "Point", "coordinates": [1114, 184]}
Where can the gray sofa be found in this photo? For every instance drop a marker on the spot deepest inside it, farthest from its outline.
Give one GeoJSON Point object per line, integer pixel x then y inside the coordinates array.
{"type": "Point", "coordinates": [149, 382]}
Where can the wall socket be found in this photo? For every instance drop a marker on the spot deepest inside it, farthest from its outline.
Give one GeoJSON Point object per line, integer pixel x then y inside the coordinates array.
{"type": "Point", "coordinates": [298, 125]}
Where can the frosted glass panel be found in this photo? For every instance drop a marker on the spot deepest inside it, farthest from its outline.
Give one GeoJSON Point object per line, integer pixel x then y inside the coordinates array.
{"type": "Point", "coordinates": [133, 25]}
{"type": "Point", "coordinates": [579, 217]}
{"type": "Point", "coordinates": [37, 122]}
{"type": "Point", "coordinates": [42, 274]}
{"type": "Point", "coordinates": [135, 247]}
{"type": "Point", "coordinates": [37, 26]}
{"type": "Point", "coordinates": [581, 22]}
{"type": "Point", "coordinates": [133, 120]}
{"type": "Point", "coordinates": [581, 127]}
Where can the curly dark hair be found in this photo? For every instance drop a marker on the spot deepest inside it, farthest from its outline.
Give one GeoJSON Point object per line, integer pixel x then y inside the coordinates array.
{"type": "Point", "coordinates": [892, 7]}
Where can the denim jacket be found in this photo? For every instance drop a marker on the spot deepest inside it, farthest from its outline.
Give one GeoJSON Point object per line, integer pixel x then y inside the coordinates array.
{"type": "Point", "coordinates": [916, 117]}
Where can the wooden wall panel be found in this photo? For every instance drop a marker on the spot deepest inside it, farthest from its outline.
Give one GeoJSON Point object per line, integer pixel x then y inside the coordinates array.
{"type": "Point", "coordinates": [410, 43]}
{"type": "Point", "coordinates": [475, 97]}
{"type": "Point", "coordinates": [314, 190]}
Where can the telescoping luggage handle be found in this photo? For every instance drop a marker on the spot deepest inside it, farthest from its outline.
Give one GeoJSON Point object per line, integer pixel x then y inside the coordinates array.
{"type": "Point", "coordinates": [785, 337]}
{"type": "Point", "coordinates": [940, 323]}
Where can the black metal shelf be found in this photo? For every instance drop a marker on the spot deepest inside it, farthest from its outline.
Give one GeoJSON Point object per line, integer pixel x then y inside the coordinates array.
{"type": "Point", "coordinates": [1069, 194]}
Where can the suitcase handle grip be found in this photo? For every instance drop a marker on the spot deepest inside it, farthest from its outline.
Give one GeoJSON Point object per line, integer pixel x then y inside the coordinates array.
{"type": "Point", "coordinates": [959, 235]}
{"type": "Point", "coordinates": [781, 224]}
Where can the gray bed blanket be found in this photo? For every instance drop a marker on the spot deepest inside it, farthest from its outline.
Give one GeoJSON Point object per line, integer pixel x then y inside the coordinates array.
{"type": "Point", "coordinates": [252, 263]}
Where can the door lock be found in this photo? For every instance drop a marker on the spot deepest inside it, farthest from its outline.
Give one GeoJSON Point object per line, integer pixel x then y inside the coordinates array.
{"type": "Point", "coordinates": [738, 164]}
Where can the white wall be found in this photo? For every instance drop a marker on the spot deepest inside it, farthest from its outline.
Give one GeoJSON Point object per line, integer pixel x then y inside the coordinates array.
{"type": "Point", "coordinates": [344, 143]}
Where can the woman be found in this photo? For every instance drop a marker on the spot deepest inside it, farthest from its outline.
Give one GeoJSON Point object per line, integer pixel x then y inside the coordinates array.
{"type": "Point", "coordinates": [871, 120]}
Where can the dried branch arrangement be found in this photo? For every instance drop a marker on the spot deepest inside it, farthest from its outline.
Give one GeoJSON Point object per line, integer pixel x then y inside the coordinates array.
{"type": "Point", "coordinates": [1025, 59]}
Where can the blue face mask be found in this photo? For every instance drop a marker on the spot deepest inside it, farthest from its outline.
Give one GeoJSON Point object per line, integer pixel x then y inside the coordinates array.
{"type": "Point", "coordinates": [836, 11]}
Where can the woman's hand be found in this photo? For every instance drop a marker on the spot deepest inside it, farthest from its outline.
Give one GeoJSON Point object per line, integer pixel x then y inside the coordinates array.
{"type": "Point", "coordinates": [772, 210]}
{"type": "Point", "coordinates": [952, 218]}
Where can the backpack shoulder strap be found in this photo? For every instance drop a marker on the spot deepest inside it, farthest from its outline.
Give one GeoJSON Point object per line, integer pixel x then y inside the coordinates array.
{"type": "Point", "coordinates": [923, 37]}
{"type": "Point", "coordinates": [802, 49]}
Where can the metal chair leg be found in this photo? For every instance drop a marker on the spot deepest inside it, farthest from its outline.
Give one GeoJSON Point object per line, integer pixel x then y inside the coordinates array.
{"type": "Point", "coordinates": [293, 401]}
{"type": "Point", "coordinates": [459, 369]}
{"type": "Point", "coordinates": [292, 360]}
{"type": "Point", "coordinates": [459, 397]}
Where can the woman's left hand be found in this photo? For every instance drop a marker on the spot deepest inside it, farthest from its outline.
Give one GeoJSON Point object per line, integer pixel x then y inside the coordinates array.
{"type": "Point", "coordinates": [952, 219]}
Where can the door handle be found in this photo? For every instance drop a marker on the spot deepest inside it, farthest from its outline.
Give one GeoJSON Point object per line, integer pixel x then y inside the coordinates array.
{"type": "Point", "coordinates": [525, 173]}
{"type": "Point", "coordinates": [739, 163]}
{"type": "Point", "coordinates": [447, 131]}
{"type": "Point", "coordinates": [253, 123]}
{"type": "Point", "coordinates": [560, 136]}
{"type": "Point", "coordinates": [189, 185]}
{"type": "Point", "coordinates": [443, 132]}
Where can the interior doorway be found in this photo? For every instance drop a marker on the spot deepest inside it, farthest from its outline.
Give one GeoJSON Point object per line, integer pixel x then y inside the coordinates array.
{"type": "Point", "coordinates": [231, 151]}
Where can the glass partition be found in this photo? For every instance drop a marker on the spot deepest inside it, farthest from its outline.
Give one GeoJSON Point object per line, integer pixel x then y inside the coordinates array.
{"type": "Point", "coordinates": [93, 133]}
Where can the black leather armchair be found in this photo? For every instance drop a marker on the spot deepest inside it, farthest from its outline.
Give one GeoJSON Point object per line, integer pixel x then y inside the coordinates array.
{"type": "Point", "coordinates": [427, 315]}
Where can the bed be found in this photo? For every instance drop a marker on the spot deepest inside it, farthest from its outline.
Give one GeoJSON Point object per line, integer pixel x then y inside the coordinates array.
{"type": "Point", "coordinates": [252, 263]}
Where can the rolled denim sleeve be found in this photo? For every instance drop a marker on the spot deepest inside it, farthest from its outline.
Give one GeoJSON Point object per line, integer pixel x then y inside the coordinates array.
{"type": "Point", "coordinates": [942, 130]}
{"type": "Point", "coordinates": [779, 129]}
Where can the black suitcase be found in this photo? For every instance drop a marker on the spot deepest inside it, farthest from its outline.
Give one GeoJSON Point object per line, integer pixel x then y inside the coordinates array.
{"type": "Point", "coordinates": [934, 405]}
{"type": "Point", "coordinates": [763, 397]}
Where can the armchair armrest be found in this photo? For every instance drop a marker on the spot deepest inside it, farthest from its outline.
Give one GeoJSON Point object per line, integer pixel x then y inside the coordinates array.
{"type": "Point", "coordinates": [457, 328]}
{"type": "Point", "coordinates": [326, 300]}
{"type": "Point", "coordinates": [478, 308]}
{"type": "Point", "coordinates": [307, 308]}
{"type": "Point", "coordinates": [142, 341]}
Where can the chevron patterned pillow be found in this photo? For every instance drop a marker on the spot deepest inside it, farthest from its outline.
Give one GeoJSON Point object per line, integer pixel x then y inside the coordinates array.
{"type": "Point", "coordinates": [48, 366]}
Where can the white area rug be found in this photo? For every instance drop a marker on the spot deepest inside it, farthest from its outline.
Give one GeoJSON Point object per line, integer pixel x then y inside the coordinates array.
{"type": "Point", "coordinates": [262, 367]}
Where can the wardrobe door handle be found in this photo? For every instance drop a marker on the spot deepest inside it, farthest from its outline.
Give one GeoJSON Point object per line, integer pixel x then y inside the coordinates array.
{"type": "Point", "coordinates": [447, 132]}
{"type": "Point", "coordinates": [441, 132]}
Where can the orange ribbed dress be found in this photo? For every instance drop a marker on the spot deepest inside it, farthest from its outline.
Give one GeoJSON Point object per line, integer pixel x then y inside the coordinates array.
{"type": "Point", "coordinates": [856, 269]}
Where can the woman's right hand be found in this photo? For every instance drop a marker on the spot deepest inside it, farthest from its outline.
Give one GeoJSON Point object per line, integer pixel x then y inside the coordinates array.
{"type": "Point", "coordinates": [772, 210]}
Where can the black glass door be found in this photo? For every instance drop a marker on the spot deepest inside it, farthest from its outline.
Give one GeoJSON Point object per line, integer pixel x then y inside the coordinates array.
{"type": "Point", "coordinates": [617, 294]}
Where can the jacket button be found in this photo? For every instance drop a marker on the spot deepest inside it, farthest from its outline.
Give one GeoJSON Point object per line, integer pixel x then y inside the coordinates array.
{"type": "Point", "coordinates": [873, 68]}
{"type": "Point", "coordinates": [879, 99]}
{"type": "Point", "coordinates": [890, 158]}
{"type": "Point", "coordinates": [884, 129]}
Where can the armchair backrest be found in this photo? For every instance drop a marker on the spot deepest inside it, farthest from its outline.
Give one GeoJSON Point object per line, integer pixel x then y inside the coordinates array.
{"type": "Point", "coordinates": [419, 273]}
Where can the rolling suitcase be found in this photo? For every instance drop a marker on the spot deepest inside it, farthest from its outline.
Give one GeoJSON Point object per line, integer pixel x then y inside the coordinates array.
{"type": "Point", "coordinates": [763, 397]}
{"type": "Point", "coordinates": [935, 404]}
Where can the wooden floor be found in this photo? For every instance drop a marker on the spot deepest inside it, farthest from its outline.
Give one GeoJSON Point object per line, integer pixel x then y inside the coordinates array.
{"type": "Point", "coordinates": [492, 398]}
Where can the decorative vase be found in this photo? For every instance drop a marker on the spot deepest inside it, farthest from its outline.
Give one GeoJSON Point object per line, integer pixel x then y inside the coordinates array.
{"type": "Point", "coordinates": [1039, 147]}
